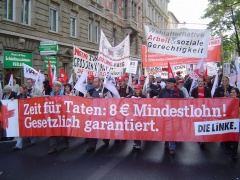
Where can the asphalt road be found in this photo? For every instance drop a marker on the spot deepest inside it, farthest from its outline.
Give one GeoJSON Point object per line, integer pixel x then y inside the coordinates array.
{"type": "Point", "coordinates": [116, 162]}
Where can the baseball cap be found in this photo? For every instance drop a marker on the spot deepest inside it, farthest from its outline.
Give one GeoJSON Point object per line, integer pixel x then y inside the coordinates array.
{"type": "Point", "coordinates": [142, 78]}
{"type": "Point", "coordinates": [180, 81]}
{"type": "Point", "coordinates": [138, 86]}
{"type": "Point", "coordinates": [172, 80]}
{"type": "Point", "coordinates": [121, 79]}
{"type": "Point", "coordinates": [90, 77]}
{"type": "Point", "coordinates": [158, 76]}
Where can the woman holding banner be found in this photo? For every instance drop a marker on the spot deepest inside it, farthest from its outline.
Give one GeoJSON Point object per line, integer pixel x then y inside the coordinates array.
{"type": "Point", "coordinates": [53, 139]}
{"type": "Point", "coordinates": [22, 95]}
{"type": "Point", "coordinates": [137, 94]}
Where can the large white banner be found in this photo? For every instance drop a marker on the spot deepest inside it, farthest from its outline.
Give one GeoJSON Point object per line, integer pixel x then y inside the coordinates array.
{"type": "Point", "coordinates": [117, 56]}
{"type": "Point", "coordinates": [177, 42]}
{"type": "Point", "coordinates": [84, 61]}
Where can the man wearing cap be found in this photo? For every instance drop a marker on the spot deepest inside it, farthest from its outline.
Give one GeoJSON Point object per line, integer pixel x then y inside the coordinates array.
{"type": "Point", "coordinates": [153, 89]}
{"type": "Point", "coordinates": [181, 87]}
{"type": "Point", "coordinates": [97, 92]}
{"type": "Point", "coordinates": [142, 80]}
{"type": "Point", "coordinates": [159, 81]}
{"type": "Point", "coordinates": [178, 75]}
{"type": "Point", "coordinates": [90, 82]}
{"type": "Point", "coordinates": [123, 89]}
{"type": "Point", "coordinates": [171, 91]}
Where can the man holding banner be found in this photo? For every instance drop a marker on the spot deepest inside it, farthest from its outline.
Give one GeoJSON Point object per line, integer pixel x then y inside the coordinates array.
{"type": "Point", "coordinates": [123, 89]}
{"type": "Point", "coordinates": [97, 92]}
{"type": "Point", "coordinates": [201, 91]}
{"type": "Point", "coordinates": [171, 91]}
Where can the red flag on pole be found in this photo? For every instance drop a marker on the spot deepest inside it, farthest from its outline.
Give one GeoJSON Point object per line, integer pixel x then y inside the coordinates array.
{"type": "Point", "coordinates": [50, 74]}
{"type": "Point", "coordinates": [170, 73]}
{"type": "Point", "coordinates": [205, 74]}
{"type": "Point", "coordinates": [63, 75]}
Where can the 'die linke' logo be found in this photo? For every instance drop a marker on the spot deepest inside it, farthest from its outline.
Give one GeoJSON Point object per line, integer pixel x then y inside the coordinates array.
{"type": "Point", "coordinates": [6, 114]}
{"type": "Point", "coordinates": [216, 127]}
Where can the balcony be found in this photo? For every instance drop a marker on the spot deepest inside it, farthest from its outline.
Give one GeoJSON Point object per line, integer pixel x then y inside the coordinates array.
{"type": "Point", "coordinates": [130, 24]}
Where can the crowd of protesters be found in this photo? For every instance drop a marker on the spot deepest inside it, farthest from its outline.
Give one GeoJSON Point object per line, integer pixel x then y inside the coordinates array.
{"type": "Point", "coordinates": [178, 87]}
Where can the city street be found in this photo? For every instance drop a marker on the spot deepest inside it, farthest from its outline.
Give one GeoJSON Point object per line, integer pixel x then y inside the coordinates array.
{"type": "Point", "coordinates": [118, 161]}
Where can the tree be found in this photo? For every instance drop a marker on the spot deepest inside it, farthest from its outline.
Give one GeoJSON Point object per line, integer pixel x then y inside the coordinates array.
{"type": "Point", "coordinates": [225, 15]}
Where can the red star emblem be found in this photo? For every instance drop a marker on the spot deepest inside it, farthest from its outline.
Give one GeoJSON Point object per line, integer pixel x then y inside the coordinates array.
{"type": "Point", "coordinates": [5, 115]}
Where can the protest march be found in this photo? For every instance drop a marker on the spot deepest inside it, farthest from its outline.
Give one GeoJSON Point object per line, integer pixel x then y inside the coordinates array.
{"type": "Point", "coordinates": [175, 94]}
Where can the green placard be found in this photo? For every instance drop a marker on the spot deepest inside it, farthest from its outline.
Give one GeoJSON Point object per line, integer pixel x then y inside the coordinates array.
{"type": "Point", "coordinates": [53, 61]}
{"type": "Point", "coordinates": [16, 59]}
{"type": "Point", "coordinates": [48, 48]}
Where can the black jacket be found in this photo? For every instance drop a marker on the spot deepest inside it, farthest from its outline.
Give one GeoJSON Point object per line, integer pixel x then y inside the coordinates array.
{"type": "Point", "coordinates": [105, 90]}
{"type": "Point", "coordinates": [207, 92]}
{"type": "Point", "coordinates": [167, 93]}
{"type": "Point", "coordinates": [23, 96]}
{"type": "Point", "coordinates": [219, 92]}
{"type": "Point", "coordinates": [47, 87]}
{"type": "Point", "coordinates": [154, 90]}
{"type": "Point", "coordinates": [12, 95]}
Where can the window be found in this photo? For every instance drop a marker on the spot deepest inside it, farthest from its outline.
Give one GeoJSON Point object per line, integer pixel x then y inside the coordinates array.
{"type": "Point", "coordinates": [114, 37]}
{"type": "Point", "coordinates": [26, 11]}
{"type": "Point", "coordinates": [114, 6]}
{"type": "Point", "coordinates": [125, 9]}
{"type": "Point", "coordinates": [134, 11]}
{"type": "Point", "coordinates": [9, 9]}
{"type": "Point", "coordinates": [149, 11]}
{"type": "Point", "coordinates": [136, 45]}
{"type": "Point", "coordinates": [90, 32]}
{"type": "Point", "coordinates": [73, 27]}
{"type": "Point", "coordinates": [53, 18]}
{"type": "Point", "coordinates": [96, 33]}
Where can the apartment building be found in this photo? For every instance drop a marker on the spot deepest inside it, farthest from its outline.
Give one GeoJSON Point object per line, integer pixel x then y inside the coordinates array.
{"type": "Point", "coordinates": [25, 24]}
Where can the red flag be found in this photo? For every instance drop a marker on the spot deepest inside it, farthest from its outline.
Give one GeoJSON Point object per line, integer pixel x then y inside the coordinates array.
{"type": "Point", "coordinates": [170, 73]}
{"type": "Point", "coordinates": [63, 75]}
{"type": "Point", "coordinates": [205, 74]}
{"type": "Point", "coordinates": [50, 74]}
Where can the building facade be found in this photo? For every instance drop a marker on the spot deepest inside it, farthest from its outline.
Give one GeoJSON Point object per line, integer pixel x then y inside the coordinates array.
{"type": "Point", "coordinates": [26, 23]}
{"type": "Point", "coordinates": [172, 21]}
{"type": "Point", "coordinates": [155, 12]}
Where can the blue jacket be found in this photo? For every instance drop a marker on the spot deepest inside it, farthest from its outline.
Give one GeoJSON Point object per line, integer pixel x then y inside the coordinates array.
{"type": "Point", "coordinates": [60, 94]}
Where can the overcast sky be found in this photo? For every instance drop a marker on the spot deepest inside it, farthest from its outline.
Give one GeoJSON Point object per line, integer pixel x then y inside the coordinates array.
{"type": "Point", "coordinates": [189, 11]}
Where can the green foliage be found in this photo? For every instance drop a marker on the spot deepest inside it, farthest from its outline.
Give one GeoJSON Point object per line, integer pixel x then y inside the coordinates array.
{"type": "Point", "coordinates": [225, 15]}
